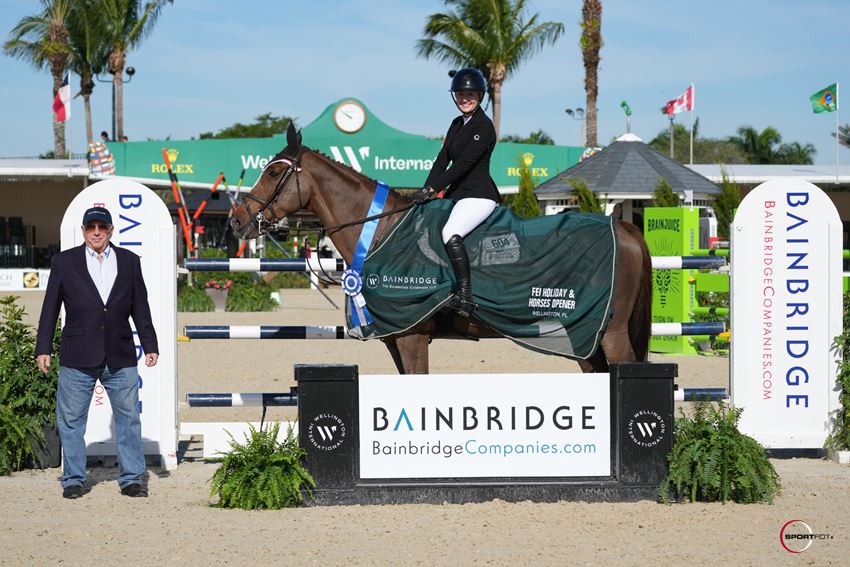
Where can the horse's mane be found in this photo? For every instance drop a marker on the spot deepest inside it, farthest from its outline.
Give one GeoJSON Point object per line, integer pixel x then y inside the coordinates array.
{"type": "Point", "coordinates": [342, 166]}
{"type": "Point", "coordinates": [347, 169]}
{"type": "Point", "coordinates": [287, 153]}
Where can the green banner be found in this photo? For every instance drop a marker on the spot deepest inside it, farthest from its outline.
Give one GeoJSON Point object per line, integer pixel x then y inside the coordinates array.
{"type": "Point", "coordinates": [346, 131]}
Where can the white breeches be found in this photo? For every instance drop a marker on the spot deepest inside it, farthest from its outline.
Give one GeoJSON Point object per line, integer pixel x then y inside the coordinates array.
{"type": "Point", "coordinates": [466, 215]}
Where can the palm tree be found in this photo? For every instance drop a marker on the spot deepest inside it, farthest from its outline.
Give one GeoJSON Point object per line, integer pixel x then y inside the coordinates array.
{"type": "Point", "coordinates": [757, 146]}
{"type": "Point", "coordinates": [796, 153]}
{"type": "Point", "coordinates": [591, 43]}
{"type": "Point", "coordinates": [42, 41]}
{"type": "Point", "coordinates": [125, 24]}
{"type": "Point", "coordinates": [539, 137]}
{"type": "Point", "coordinates": [490, 35]}
{"type": "Point", "coordinates": [88, 51]}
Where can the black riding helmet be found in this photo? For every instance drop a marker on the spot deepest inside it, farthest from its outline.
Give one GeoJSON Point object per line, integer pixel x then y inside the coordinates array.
{"type": "Point", "coordinates": [469, 79]}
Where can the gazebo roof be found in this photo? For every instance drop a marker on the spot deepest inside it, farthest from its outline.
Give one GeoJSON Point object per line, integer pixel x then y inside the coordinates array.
{"type": "Point", "coordinates": [628, 166]}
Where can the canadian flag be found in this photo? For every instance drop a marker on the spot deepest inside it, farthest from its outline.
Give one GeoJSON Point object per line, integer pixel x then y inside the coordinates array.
{"type": "Point", "coordinates": [62, 102]}
{"type": "Point", "coordinates": [684, 102]}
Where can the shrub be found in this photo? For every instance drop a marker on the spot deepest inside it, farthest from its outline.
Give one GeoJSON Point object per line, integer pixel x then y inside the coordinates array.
{"type": "Point", "coordinates": [262, 473]}
{"type": "Point", "coordinates": [16, 430]}
{"type": "Point", "coordinates": [712, 461]}
{"type": "Point", "coordinates": [839, 437]}
{"type": "Point", "coordinates": [664, 195]}
{"type": "Point", "coordinates": [27, 397]}
{"type": "Point", "coordinates": [588, 202]}
{"type": "Point", "coordinates": [250, 297]}
{"type": "Point", "coordinates": [193, 299]}
{"type": "Point", "coordinates": [525, 204]}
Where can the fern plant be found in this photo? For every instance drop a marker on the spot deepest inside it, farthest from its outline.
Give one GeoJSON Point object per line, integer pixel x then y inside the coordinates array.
{"type": "Point", "coordinates": [713, 461]}
{"type": "Point", "coordinates": [263, 473]}
{"type": "Point", "coordinates": [839, 437]}
{"type": "Point", "coordinates": [17, 429]}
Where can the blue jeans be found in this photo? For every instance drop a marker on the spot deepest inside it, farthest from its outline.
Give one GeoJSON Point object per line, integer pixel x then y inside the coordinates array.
{"type": "Point", "coordinates": [74, 394]}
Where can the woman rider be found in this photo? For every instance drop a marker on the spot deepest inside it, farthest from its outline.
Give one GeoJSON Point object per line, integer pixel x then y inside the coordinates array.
{"type": "Point", "coordinates": [467, 182]}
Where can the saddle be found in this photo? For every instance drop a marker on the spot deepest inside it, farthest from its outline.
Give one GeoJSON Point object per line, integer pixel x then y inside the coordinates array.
{"type": "Point", "coordinates": [546, 282]}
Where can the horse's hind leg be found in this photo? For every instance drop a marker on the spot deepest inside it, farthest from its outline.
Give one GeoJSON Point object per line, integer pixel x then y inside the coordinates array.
{"type": "Point", "coordinates": [594, 363]}
{"type": "Point", "coordinates": [617, 346]}
{"type": "Point", "coordinates": [410, 353]}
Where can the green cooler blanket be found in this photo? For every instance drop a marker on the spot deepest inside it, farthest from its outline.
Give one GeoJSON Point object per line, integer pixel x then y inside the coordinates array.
{"type": "Point", "coordinates": [546, 282]}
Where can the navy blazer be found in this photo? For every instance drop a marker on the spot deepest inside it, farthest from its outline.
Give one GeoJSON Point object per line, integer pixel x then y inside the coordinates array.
{"type": "Point", "coordinates": [95, 332]}
{"type": "Point", "coordinates": [468, 147]}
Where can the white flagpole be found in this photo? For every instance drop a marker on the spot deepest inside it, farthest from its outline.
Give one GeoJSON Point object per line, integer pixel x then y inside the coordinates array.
{"type": "Point", "coordinates": [693, 105]}
{"type": "Point", "coordinates": [68, 121]}
{"type": "Point", "coordinates": [837, 108]}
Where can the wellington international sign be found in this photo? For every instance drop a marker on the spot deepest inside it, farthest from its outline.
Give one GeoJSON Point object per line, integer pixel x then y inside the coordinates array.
{"type": "Point", "coordinates": [374, 149]}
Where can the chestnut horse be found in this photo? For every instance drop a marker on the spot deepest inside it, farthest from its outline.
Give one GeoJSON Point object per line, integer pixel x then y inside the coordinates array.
{"type": "Point", "coordinates": [300, 178]}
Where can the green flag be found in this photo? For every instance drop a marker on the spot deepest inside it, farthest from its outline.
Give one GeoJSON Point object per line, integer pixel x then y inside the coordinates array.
{"type": "Point", "coordinates": [825, 100]}
{"type": "Point", "coordinates": [625, 106]}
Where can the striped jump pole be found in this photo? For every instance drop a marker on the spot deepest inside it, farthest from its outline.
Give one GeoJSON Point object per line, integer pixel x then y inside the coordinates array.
{"type": "Point", "coordinates": [264, 332]}
{"type": "Point", "coordinates": [264, 264]}
{"type": "Point", "coordinates": [256, 399]}
{"type": "Point", "coordinates": [235, 399]}
{"type": "Point", "coordinates": [700, 394]}
{"type": "Point", "coordinates": [683, 262]}
{"type": "Point", "coordinates": [688, 329]}
{"type": "Point", "coordinates": [338, 332]}
{"type": "Point", "coordinates": [337, 265]}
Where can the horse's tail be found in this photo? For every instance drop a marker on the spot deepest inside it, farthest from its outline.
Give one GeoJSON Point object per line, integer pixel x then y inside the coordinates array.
{"type": "Point", "coordinates": [640, 321]}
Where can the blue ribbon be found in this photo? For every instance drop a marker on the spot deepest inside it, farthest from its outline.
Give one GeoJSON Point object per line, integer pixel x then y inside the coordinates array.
{"type": "Point", "coordinates": [353, 282]}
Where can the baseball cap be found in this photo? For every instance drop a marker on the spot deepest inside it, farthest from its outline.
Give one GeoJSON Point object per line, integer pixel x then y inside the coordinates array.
{"type": "Point", "coordinates": [97, 214]}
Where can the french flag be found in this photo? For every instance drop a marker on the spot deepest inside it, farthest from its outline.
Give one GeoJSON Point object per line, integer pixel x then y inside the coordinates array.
{"type": "Point", "coordinates": [62, 102]}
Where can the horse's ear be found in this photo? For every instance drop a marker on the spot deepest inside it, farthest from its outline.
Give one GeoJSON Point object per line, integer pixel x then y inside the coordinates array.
{"type": "Point", "coordinates": [293, 137]}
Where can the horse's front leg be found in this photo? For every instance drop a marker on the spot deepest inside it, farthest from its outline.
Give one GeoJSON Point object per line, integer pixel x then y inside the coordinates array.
{"type": "Point", "coordinates": [410, 353]}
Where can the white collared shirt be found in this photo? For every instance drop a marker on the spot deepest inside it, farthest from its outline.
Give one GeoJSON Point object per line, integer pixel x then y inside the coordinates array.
{"type": "Point", "coordinates": [103, 273]}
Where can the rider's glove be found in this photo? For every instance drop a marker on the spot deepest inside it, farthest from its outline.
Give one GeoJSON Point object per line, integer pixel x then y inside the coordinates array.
{"type": "Point", "coordinates": [422, 195]}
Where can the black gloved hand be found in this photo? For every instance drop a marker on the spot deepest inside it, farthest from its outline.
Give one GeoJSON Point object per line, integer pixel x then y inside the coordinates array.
{"type": "Point", "coordinates": [422, 195]}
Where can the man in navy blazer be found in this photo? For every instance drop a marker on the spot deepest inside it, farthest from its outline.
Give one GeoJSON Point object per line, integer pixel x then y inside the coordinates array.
{"type": "Point", "coordinates": [101, 286]}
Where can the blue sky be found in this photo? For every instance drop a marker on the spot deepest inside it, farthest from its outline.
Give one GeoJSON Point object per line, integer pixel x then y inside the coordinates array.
{"type": "Point", "coordinates": [209, 64]}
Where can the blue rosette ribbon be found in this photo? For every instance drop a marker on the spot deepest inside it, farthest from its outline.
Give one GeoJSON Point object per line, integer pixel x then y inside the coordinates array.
{"type": "Point", "coordinates": [352, 283]}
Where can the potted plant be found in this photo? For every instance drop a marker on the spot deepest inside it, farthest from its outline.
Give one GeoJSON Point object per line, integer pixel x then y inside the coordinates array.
{"type": "Point", "coordinates": [27, 392]}
{"type": "Point", "coordinates": [263, 473]}
{"type": "Point", "coordinates": [713, 461]}
{"type": "Point", "coordinates": [217, 291]}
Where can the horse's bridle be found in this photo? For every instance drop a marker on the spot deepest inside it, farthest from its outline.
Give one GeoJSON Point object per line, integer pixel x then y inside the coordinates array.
{"type": "Point", "coordinates": [259, 219]}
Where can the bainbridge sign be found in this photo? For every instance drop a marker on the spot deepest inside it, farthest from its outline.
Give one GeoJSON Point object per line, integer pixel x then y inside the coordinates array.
{"type": "Point", "coordinates": [786, 312]}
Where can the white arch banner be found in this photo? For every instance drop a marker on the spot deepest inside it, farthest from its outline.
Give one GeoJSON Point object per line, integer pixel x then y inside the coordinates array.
{"type": "Point", "coordinates": [786, 312]}
{"type": "Point", "coordinates": [142, 225]}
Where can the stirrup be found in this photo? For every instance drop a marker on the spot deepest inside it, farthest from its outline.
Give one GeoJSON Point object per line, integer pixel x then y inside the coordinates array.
{"type": "Point", "coordinates": [461, 306]}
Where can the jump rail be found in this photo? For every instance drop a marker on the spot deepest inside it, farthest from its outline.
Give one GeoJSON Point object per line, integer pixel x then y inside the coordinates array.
{"type": "Point", "coordinates": [247, 399]}
{"type": "Point", "coordinates": [334, 265]}
{"type": "Point", "coordinates": [338, 332]}
{"type": "Point", "coordinates": [264, 264]}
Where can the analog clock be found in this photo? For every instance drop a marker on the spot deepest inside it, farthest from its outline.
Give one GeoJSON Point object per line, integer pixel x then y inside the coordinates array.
{"type": "Point", "coordinates": [349, 116]}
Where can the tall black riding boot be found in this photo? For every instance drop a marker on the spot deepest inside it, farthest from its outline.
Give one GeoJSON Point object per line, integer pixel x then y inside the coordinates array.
{"type": "Point", "coordinates": [462, 300]}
